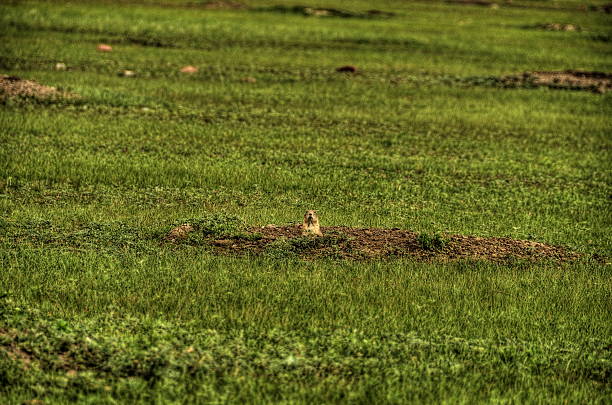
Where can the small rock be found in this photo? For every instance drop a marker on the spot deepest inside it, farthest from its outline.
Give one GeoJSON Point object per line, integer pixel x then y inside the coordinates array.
{"type": "Point", "coordinates": [347, 69]}
{"type": "Point", "coordinates": [189, 69]}
{"type": "Point", "coordinates": [249, 80]}
{"type": "Point", "coordinates": [60, 66]}
{"type": "Point", "coordinates": [127, 73]}
{"type": "Point", "coordinates": [104, 48]}
{"type": "Point", "coordinates": [270, 226]}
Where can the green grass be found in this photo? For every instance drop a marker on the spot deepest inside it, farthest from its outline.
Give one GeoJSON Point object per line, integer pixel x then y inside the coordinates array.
{"type": "Point", "coordinates": [422, 139]}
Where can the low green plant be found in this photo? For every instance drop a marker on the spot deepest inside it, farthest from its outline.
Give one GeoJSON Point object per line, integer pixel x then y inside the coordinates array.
{"type": "Point", "coordinates": [327, 245]}
{"type": "Point", "coordinates": [248, 236]}
{"type": "Point", "coordinates": [281, 248]}
{"type": "Point", "coordinates": [432, 241]}
{"type": "Point", "coordinates": [218, 225]}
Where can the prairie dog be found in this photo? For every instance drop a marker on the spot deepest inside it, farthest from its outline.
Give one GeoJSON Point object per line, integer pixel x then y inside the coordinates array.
{"type": "Point", "coordinates": [311, 224]}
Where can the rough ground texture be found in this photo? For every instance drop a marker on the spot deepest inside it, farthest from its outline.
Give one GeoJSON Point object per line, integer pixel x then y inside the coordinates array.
{"type": "Point", "coordinates": [377, 243]}
{"type": "Point", "coordinates": [326, 12]}
{"type": "Point", "coordinates": [569, 79]}
{"type": "Point", "coordinates": [559, 27]}
{"type": "Point", "coordinates": [223, 4]}
{"type": "Point", "coordinates": [474, 2]}
{"type": "Point", "coordinates": [15, 87]}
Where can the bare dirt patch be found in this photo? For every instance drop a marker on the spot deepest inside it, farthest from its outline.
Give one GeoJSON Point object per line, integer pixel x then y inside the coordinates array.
{"type": "Point", "coordinates": [327, 12]}
{"type": "Point", "coordinates": [377, 243]}
{"type": "Point", "coordinates": [569, 79]}
{"type": "Point", "coordinates": [15, 87]}
{"type": "Point", "coordinates": [559, 27]}
{"type": "Point", "coordinates": [179, 233]}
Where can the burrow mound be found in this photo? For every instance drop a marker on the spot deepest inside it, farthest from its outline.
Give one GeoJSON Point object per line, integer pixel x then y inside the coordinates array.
{"type": "Point", "coordinates": [307, 11]}
{"type": "Point", "coordinates": [557, 27]}
{"type": "Point", "coordinates": [599, 82]}
{"type": "Point", "coordinates": [326, 12]}
{"type": "Point", "coordinates": [14, 87]}
{"type": "Point", "coordinates": [375, 243]}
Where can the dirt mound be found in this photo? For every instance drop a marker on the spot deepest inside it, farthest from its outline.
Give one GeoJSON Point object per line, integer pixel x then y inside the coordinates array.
{"type": "Point", "coordinates": [179, 233]}
{"type": "Point", "coordinates": [327, 12]}
{"type": "Point", "coordinates": [569, 79]}
{"type": "Point", "coordinates": [377, 243]}
{"type": "Point", "coordinates": [559, 27]}
{"type": "Point", "coordinates": [15, 87]}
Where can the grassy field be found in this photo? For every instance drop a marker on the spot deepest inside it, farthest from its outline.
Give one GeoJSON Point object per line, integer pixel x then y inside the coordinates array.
{"type": "Point", "coordinates": [95, 308]}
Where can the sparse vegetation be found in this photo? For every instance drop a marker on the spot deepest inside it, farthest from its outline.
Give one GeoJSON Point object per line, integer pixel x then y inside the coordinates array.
{"type": "Point", "coordinates": [432, 241]}
{"type": "Point", "coordinates": [436, 130]}
{"type": "Point", "coordinates": [217, 224]}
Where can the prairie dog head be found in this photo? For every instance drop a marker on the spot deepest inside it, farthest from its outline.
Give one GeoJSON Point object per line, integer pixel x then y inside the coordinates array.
{"type": "Point", "coordinates": [311, 217]}
{"type": "Point", "coordinates": [311, 224]}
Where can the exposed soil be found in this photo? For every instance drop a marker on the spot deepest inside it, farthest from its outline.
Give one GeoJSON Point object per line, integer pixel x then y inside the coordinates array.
{"type": "Point", "coordinates": [15, 87]}
{"type": "Point", "coordinates": [178, 233]}
{"type": "Point", "coordinates": [327, 12]}
{"type": "Point", "coordinates": [569, 79]}
{"type": "Point", "coordinates": [559, 27]}
{"type": "Point", "coordinates": [377, 243]}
